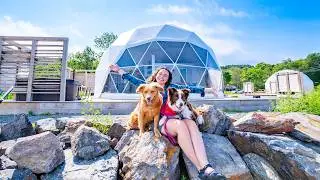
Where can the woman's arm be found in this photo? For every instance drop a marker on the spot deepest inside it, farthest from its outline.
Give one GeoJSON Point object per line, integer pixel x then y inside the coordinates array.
{"type": "Point", "coordinates": [132, 79]}
{"type": "Point", "coordinates": [126, 76]}
{"type": "Point", "coordinates": [193, 89]}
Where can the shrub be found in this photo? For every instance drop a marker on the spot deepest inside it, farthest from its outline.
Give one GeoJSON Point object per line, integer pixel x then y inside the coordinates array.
{"type": "Point", "coordinates": [309, 103]}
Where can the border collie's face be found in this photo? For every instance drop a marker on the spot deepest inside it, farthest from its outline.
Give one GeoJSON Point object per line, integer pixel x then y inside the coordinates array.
{"type": "Point", "coordinates": [178, 99]}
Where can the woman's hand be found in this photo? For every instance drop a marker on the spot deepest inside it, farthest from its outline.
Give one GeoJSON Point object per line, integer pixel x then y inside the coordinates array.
{"type": "Point", "coordinates": [114, 68]}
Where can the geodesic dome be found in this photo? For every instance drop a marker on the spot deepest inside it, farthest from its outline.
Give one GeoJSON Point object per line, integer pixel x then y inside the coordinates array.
{"type": "Point", "coordinates": [142, 50]}
{"type": "Point", "coordinates": [287, 80]}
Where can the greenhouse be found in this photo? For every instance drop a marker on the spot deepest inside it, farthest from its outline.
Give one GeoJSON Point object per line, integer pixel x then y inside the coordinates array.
{"type": "Point", "coordinates": [142, 50]}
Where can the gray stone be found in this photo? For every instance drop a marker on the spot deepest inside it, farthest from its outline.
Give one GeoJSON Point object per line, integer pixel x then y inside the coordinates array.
{"type": "Point", "coordinates": [19, 127]}
{"type": "Point", "coordinates": [215, 121]}
{"type": "Point", "coordinates": [223, 156]}
{"type": "Point", "coordinates": [102, 167]}
{"type": "Point", "coordinates": [6, 163]}
{"type": "Point", "coordinates": [116, 131]}
{"type": "Point", "coordinates": [145, 158]}
{"type": "Point", "coordinates": [125, 139]}
{"type": "Point", "coordinates": [265, 122]}
{"type": "Point", "coordinates": [17, 174]}
{"type": "Point", "coordinates": [40, 153]}
{"type": "Point", "coordinates": [4, 145]}
{"type": "Point", "coordinates": [88, 143]}
{"type": "Point", "coordinates": [48, 124]}
{"type": "Point", "coordinates": [291, 159]}
{"type": "Point", "coordinates": [309, 125]}
{"type": "Point", "coordinates": [260, 168]}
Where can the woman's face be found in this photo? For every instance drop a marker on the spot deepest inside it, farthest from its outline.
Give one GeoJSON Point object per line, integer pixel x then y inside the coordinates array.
{"type": "Point", "coordinates": [162, 77]}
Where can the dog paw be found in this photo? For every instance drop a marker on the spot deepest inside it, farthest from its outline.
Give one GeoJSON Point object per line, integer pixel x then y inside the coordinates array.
{"type": "Point", "coordinates": [157, 133]}
{"type": "Point", "coordinates": [200, 120]}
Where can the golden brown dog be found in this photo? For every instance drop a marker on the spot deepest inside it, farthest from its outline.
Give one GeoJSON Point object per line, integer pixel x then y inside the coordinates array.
{"type": "Point", "coordinates": [148, 108]}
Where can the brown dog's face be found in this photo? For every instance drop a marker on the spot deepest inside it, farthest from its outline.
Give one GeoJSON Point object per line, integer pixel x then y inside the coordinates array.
{"type": "Point", "coordinates": [150, 91]}
{"type": "Point", "coordinates": [178, 99]}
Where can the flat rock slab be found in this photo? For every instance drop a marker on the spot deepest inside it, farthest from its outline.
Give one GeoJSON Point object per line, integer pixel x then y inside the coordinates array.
{"type": "Point", "coordinates": [223, 156]}
{"type": "Point", "coordinates": [99, 168]}
{"type": "Point", "coordinates": [260, 168]}
{"type": "Point", "coordinates": [17, 174]}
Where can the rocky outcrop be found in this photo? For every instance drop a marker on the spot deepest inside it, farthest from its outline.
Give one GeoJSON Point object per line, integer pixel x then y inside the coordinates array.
{"type": "Point", "coordinates": [260, 168]}
{"type": "Point", "coordinates": [215, 121]}
{"type": "Point", "coordinates": [223, 156]}
{"type": "Point", "coordinates": [19, 127]}
{"type": "Point", "coordinates": [40, 153]}
{"type": "Point", "coordinates": [143, 157]}
{"type": "Point", "coordinates": [99, 168]}
{"type": "Point", "coordinates": [291, 159]}
{"type": "Point", "coordinates": [268, 123]}
{"type": "Point", "coordinates": [4, 145]}
{"type": "Point", "coordinates": [13, 174]}
{"type": "Point", "coordinates": [88, 143]}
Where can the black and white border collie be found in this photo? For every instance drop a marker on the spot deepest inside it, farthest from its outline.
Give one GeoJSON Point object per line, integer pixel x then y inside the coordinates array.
{"type": "Point", "coordinates": [178, 102]}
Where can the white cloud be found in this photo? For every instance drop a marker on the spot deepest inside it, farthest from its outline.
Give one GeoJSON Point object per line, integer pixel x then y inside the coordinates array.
{"type": "Point", "coordinates": [170, 9]}
{"type": "Point", "coordinates": [230, 12]}
{"type": "Point", "coordinates": [9, 27]}
{"type": "Point", "coordinates": [214, 8]}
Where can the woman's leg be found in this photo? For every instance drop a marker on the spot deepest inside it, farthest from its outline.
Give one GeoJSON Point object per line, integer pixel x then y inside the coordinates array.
{"type": "Point", "coordinates": [178, 128]}
{"type": "Point", "coordinates": [197, 142]}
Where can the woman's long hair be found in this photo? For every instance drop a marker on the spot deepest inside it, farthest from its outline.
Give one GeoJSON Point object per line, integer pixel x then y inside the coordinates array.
{"type": "Point", "coordinates": [152, 78]}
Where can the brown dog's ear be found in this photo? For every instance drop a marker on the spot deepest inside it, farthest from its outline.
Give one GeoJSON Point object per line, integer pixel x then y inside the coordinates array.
{"type": "Point", "coordinates": [186, 92]}
{"type": "Point", "coordinates": [140, 88]}
{"type": "Point", "coordinates": [158, 87]}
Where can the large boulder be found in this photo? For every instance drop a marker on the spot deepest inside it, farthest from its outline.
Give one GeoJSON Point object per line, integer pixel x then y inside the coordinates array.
{"type": "Point", "coordinates": [260, 168]}
{"type": "Point", "coordinates": [291, 159]}
{"type": "Point", "coordinates": [4, 145]}
{"type": "Point", "coordinates": [6, 163]}
{"type": "Point", "coordinates": [88, 143]}
{"type": "Point", "coordinates": [146, 158]}
{"type": "Point", "coordinates": [99, 168]}
{"type": "Point", "coordinates": [20, 126]}
{"type": "Point", "coordinates": [215, 121]}
{"type": "Point", "coordinates": [15, 174]}
{"type": "Point", "coordinates": [41, 153]}
{"type": "Point", "coordinates": [268, 123]}
{"type": "Point", "coordinates": [223, 156]}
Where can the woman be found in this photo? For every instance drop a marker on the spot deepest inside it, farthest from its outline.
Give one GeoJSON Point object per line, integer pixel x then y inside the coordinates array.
{"type": "Point", "coordinates": [186, 131]}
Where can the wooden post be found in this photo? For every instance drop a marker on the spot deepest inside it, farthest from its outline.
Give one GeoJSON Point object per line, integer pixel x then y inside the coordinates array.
{"type": "Point", "coordinates": [31, 68]}
{"type": "Point", "coordinates": [63, 70]}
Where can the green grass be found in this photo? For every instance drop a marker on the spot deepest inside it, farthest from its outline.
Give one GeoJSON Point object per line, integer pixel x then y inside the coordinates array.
{"type": "Point", "coordinates": [309, 103]}
{"type": "Point", "coordinates": [9, 97]}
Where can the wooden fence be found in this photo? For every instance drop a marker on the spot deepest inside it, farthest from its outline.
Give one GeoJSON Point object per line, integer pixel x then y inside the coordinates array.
{"type": "Point", "coordinates": [34, 65]}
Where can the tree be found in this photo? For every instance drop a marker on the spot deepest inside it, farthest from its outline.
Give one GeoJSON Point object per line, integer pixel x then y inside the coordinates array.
{"type": "Point", "coordinates": [226, 77]}
{"type": "Point", "coordinates": [86, 60]}
{"type": "Point", "coordinates": [105, 40]}
{"type": "Point", "coordinates": [235, 77]}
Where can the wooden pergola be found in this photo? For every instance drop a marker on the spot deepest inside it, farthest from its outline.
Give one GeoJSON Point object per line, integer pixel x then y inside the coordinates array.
{"type": "Point", "coordinates": [34, 65]}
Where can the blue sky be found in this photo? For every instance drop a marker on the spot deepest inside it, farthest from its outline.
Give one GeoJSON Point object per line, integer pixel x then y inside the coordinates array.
{"type": "Point", "coordinates": [239, 32]}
